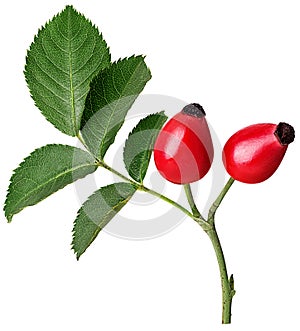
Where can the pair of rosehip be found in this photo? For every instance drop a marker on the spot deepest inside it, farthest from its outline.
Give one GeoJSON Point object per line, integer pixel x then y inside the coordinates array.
{"type": "Point", "coordinates": [183, 151]}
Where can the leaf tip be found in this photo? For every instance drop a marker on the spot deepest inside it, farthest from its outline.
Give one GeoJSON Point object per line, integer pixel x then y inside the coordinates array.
{"type": "Point", "coordinates": [76, 253]}
{"type": "Point", "coordinates": [70, 8]}
{"type": "Point", "coordinates": [8, 216]}
{"type": "Point", "coordinates": [76, 250]}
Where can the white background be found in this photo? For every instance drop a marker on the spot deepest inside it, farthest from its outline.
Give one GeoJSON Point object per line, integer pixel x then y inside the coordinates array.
{"type": "Point", "coordinates": [241, 61]}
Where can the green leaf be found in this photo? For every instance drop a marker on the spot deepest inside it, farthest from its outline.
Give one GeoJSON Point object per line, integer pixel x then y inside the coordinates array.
{"type": "Point", "coordinates": [139, 145]}
{"type": "Point", "coordinates": [64, 57]}
{"type": "Point", "coordinates": [97, 211]}
{"type": "Point", "coordinates": [43, 172]}
{"type": "Point", "coordinates": [112, 93]}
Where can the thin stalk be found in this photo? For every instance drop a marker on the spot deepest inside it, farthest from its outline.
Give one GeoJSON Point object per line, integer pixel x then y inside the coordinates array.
{"type": "Point", "coordinates": [117, 173]}
{"type": "Point", "coordinates": [201, 221]}
{"type": "Point", "coordinates": [166, 199]}
{"type": "Point", "coordinates": [227, 283]}
{"type": "Point", "coordinates": [143, 188]}
{"type": "Point", "coordinates": [80, 138]}
{"type": "Point", "coordinates": [214, 207]}
{"type": "Point", "coordinates": [191, 201]}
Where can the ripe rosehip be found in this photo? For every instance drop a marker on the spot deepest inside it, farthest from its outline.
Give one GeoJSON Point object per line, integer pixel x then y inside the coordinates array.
{"type": "Point", "coordinates": [183, 151]}
{"type": "Point", "coordinates": [254, 153]}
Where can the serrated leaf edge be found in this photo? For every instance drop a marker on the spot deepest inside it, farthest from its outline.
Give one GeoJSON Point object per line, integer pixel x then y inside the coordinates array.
{"type": "Point", "coordinates": [76, 127]}
{"type": "Point", "coordinates": [99, 228]}
{"type": "Point", "coordinates": [136, 68]}
{"type": "Point", "coordinates": [104, 70]}
{"type": "Point", "coordinates": [10, 216]}
{"type": "Point", "coordinates": [116, 100]}
{"type": "Point", "coordinates": [134, 130]}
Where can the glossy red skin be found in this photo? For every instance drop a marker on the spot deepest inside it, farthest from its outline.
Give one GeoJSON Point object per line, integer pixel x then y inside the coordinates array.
{"type": "Point", "coordinates": [183, 151]}
{"type": "Point", "coordinates": [254, 153]}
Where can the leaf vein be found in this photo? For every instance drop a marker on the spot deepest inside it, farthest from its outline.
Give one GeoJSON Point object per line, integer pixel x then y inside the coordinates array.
{"type": "Point", "coordinates": [54, 179]}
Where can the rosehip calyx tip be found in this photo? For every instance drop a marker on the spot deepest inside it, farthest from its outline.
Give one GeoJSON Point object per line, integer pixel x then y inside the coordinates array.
{"type": "Point", "coordinates": [285, 133]}
{"type": "Point", "coordinates": [194, 109]}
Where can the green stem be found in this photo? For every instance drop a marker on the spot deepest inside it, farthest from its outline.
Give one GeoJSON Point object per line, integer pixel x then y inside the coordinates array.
{"type": "Point", "coordinates": [166, 199]}
{"type": "Point", "coordinates": [227, 283]}
{"type": "Point", "coordinates": [191, 201]}
{"type": "Point", "coordinates": [143, 188]}
{"type": "Point", "coordinates": [201, 221]}
{"type": "Point", "coordinates": [214, 207]}
{"type": "Point", "coordinates": [80, 138]}
{"type": "Point", "coordinates": [117, 173]}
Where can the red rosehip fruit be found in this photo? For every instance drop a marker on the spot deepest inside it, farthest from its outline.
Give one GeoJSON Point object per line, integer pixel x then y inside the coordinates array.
{"type": "Point", "coordinates": [254, 153]}
{"type": "Point", "coordinates": [183, 151]}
